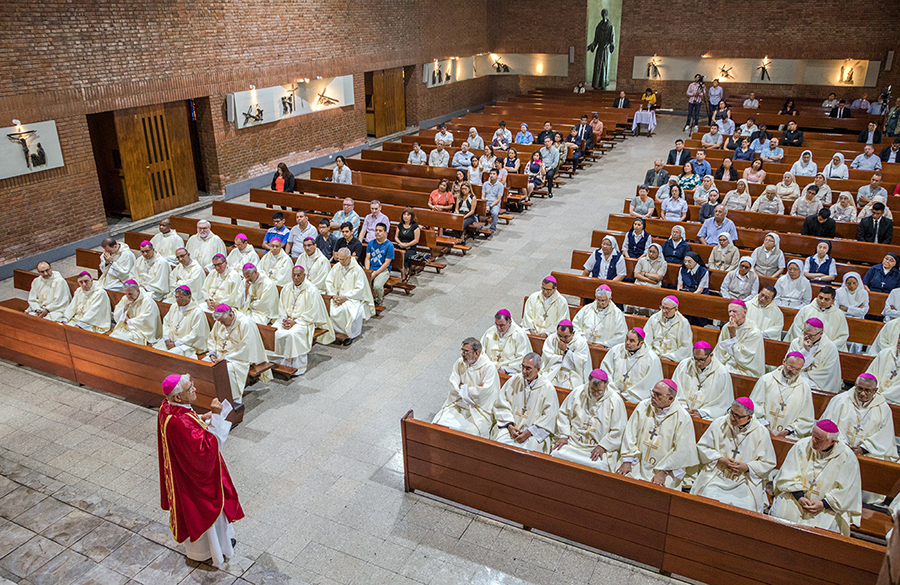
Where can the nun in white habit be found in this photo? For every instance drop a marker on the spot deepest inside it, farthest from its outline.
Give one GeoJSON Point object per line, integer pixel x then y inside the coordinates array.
{"type": "Point", "coordinates": [805, 166]}
{"type": "Point", "coordinates": [853, 299]}
{"type": "Point", "coordinates": [793, 289]}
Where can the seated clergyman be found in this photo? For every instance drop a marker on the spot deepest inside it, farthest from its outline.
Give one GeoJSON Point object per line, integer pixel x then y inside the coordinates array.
{"type": "Point", "coordinates": [152, 272]}
{"type": "Point", "coordinates": [222, 286]}
{"type": "Point", "coordinates": [474, 385]}
{"type": "Point", "coordinates": [505, 343]}
{"type": "Point", "coordinates": [235, 339]}
{"type": "Point", "coordinates": [185, 328]}
{"type": "Point", "coordinates": [49, 295]}
{"type": "Point", "coordinates": [351, 296]}
{"type": "Point", "coordinates": [301, 311]}
{"type": "Point", "coordinates": [90, 308]}
{"type": "Point", "coordinates": [545, 308]}
{"type": "Point", "coordinates": [526, 408]}
{"type": "Point", "coordinates": [187, 272]}
{"type": "Point", "coordinates": [784, 401]}
{"type": "Point", "coordinates": [567, 356]}
{"type": "Point", "coordinates": [259, 300]}
{"type": "Point", "coordinates": [136, 316]}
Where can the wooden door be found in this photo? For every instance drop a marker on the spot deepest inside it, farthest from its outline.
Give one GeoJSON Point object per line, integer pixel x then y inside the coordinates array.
{"type": "Point", "coordinates": [157, 158]}
{"type": "Point", "coordinates": [388, 101]}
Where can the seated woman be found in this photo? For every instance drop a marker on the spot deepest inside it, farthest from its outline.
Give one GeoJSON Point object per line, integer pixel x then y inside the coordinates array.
{"type": "Point", "coordinates": [688, 179]}
{"type": "Point", "coordinates": [341, 172]}
{"type": "Point", "coordinates": [755, 173]}
{"type": "Point", "coordinates": [852, 297]}
{"type": "Point", "coordinates": [820, 268]}
{"type": "Point", "coordinates": [738, 198]}
{"type": "Point", "coordinates": [283, 180]}
{"type": "Point", "coordinates": [511, 163]}
{"type": "Point", "coordinates": [675, 248]}
{"type": "Point", "coordinates": [708, 209]}
{"type": "Point", "coordinates": [787, 189]}
{"type": "Point", "coordinates": [836, 169]}
{"type": "Point", "coordinates": [805, 165]}
{"type": "Point", "coordinates": [674, 208]}
{"type": "Point", "coordinates": [891, 308]}
{"type": "Point", "coordinates": [651, 267]}
{"type": "Point", "coordinates": [487, 159]}
{"type": "Point", "coordinates": [465, 206]}
{"type": "Point", "coordinates": [808, 204]}
{"type": "Point", "coordinates": [768, 259]}
{"type": "Point", "coordinates": [701, 191]}
{"type": "Point", "coordinates": [499, 141]}
{"type": "Point", "coordinates": [741, 283]}
{"type": "Point", "coordinates": [726, 171]}
{"type": "Point", "coordinates": [461, 177]}
{"type": "Point", "coordinates": [722, 111]}
{"type": "Point", "coordinates": [476, 142]}
{"type": "Point", "coordinates": [597, 125]}
{"type": "Point", "coordinates": [694, 277]}
{"type": "Point", "coordinates": [824, 192]}
{"type": "Point", "coordinates": [883, 277]}
{"type": "Point", "coordinates": [407, 238]}
{"type": "Point", "coordinates": [607, 262]}
{"type": "Point", "coordinates": [476, 171]}
{"type": "Point", "coordinates": [642, 205]}
{"type": "Point", "coordinates": [845, 209]}
{"type": "Point", "coordinates": [788, 109]}
{"type": "Point", "coordinates": [725, 255]}
{"type": "Point", "coordinates": [636, 239]}
{"type": "Point", "coordinates": [744, 152]}
{"type": "Point", "coordinates": [562, 148]}
{"type": "Point", "coordinates": [649, 99]}
{"type": "Point", "coordinates": [536, 174]}
{"type": "Point", "coordinates": [734, 142]}
{"type": "Point", "coordinates": [768, 202]}
{"type": "Point", "coordinates": [793, 289]}
{"type": "Point", "coordinates": [524, 136]}
{"type": "Point", "coordinates": [441, 199]}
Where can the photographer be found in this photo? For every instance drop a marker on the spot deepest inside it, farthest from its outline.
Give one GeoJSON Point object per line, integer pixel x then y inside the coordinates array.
{"type": "Point", "coordinates": [696, 92]}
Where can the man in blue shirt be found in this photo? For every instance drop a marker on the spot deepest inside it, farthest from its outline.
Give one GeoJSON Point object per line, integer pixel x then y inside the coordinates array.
{"type": "Point", "coordinates": [718, 224]}
{"type": "Point", "coordinates": [346, 213]}
{"type": "Point", "coordinates": [379, 253]}
{"type": "Point", "coordinates": [492, 191]}
{"type": "Point", "coordinates": [700, 164]}
{"type": "Point", "coordinates": [462, 160]}
{"type": "Point", "coordinates": [278, 232]}
{"type": "Point", "coordinates": [772, 153]}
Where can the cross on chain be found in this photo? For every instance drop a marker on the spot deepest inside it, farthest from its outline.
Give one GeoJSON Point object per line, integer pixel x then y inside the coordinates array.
{"type": "Point", "coordinates": [653, 433]}
{"type": "Point", "coordinates": [812, 487]}
{"type": "Point", "coordinates": [856, 434]}
{"type": "Point", "coordinates": [735, 452]}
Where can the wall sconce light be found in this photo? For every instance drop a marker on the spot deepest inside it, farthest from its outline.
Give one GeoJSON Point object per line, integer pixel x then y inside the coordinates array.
{"type": "Point", "coordinates": [705, 56]}
{"type": "Point", "coordinates": [252, 87]}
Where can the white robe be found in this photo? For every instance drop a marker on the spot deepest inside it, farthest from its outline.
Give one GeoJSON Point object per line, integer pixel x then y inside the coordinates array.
{"type": "Point", "coordinates": [90, 310]}
{"type": "Point", "coordinates": [260, 301]}
{"type": "Point", "coordinates": [350, 282]}
{"type": "Point", "coordinates": [673, 339]}
{"type": "Point", "coordinates": [222, 289]}
{"type": "Point", "coordinates": [822, 364]}
{"type": "Point", "coordinates": [473, 392]}
{"type": "Point", "coordinates": [605, 327]}
{"type": "Point", "coordinates": [832, 476]}
{"type": "Point", "coordinates": [660, 441]}
{"type": "Point", "coordinates": [277, 268]}
{"type": "Point", "coordinates": [153, 276]}
{"type": "Point", "coordinates": [140, 323]}
{"type": "Point", "coordinates": [202, 251]}
{"type": "Point", "coordinates": [530, 407]}
{"type": "Point", "coordinates": [188, 327]}
{"type": "Point", "coordinates": [506, 351]}
{"type": "Point", "coordinates": [588, 424]}
{"type": "Point", "coordinates": [543, 315]}
{"type": "Point", "coordinates": [166, 244]}
{"type": "Point", "coordinates": [633, 376]}
{"type": "Point", "coordinates": [887, 337]}
{"type": "Point", "coordinates": [869, 426]}
{"type": "Point", "coordinates": [885, 368]}
{"type": "Point", "coordinates": [51, 294]}
{"type": "Point", "coordinates": [769, 319]}
{"type": "Point", "coordinates": [241, 346]}
{"type": "Point", "coordinates": [316, 266]}
{"type": "Point", "coordinates": [236, 258]}
{"type": "Point", "coordinates": [751, 445]}
{"type": "Point", "coordinates": [191, 276]}
{"type": "Point", "coordinates": [569, 369]}
{"type": "Point", "coordinates": [120, 268]}
{"type": "Point", "coordinates": [303, 304]}
{"type": "Point", "coordinates": [710, 391]}
{"type": "Point", "coordinates": [834, 319]}
{"type": "Point", "coordinates": [743, 354]}
{"type": "Point", "coordinates": [781, 406]}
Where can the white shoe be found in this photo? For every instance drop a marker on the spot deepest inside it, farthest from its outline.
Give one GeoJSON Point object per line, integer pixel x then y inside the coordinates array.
{"type": "Point", "coordinates": [685, 128]}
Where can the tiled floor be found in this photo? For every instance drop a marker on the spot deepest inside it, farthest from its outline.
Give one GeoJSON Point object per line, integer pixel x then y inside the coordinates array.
{"type": "Point", "coordinates": [317, 462]}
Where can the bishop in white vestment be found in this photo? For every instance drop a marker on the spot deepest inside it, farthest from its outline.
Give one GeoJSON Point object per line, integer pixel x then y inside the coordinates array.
{"type": "Point", "coordinates": [351, 296]}
{"type": "Point", "coordinates": [204, 245]}
{"type": "Point", "coordinates": [223, 285]}
{"type": "Point", "coordinates": [185, 328]}
{"type": "Point", "coordinates": [116, 265]}
{"type": "Point", "coordinates": [188, 272]}
{"type": "Point", "coordinates": [887, 337]}
{"type": "Point", "coordinates": [505, 343]}
{"type": "Point", "coordinates": [474, 386]}
{"type": "Point", "coordinates": [259, 299]}
{"type": "Point", "coordinates": [741, 348]}
{"type": "Point", "coordinates": [669, 334]}
{"type": "Point", "coordinates": [601, 322]}
{"type": "Point", "coordinates": [276, 264]}
{"type": "Point", "coordinates": [242, 253]}
{"type": "Point", "coordinates": [49, 295]}
{"type": "Point", "coordinates": [886, 367]}
{"type": "Point", "coordinates": [821, 360]}
{"type": "Point", "coordinates": [301, 311]}
{"type": "Point", "coordinates": [526, 408]}
{"type": "Point", "coordinates": [768, 317]}
{"type": "Point", "coordinates": [864, 419]}
{"type": "Point", "coordinates": [545, 308]}
{"type": "Point", "coordinates": [833, 318]}
{"type": "Point", "coordinates": [90, 308]}
{"type": "Point", "coordinates": [783, 400]}
{"type": "Point", "coordinates": [152, 272]}
{"type": "Point", "coordinates": [566, 357]}
{"type": "Point", "coordinates": [633, 367]}
{"type": "Point", "coordinates": [235, 339]}
{"type": "Point", "coordinates": [137, 317]}
{"type": "Point", "coordinates": [316, 265]}
{"type": "Point", "coordinates": [704, 385]}
{"type": "Point", "coordinates": [167, 241]}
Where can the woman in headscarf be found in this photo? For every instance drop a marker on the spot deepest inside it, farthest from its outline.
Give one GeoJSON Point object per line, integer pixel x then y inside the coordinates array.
{"type": "Point", "coordinates": [824, 193]}
{"type": "Point", "coordinates": [725, 256]}
{"type": "Point", "coordinates": [836, 169]}
{"type": "Point", "coordinates": [676, 246]}
{"type": "Point", "coordinates": [726, 171]}
{"type": "Point", "coordinates": [805, 166]}
{"type": "Point", "coordinates": [693, 276]}
{"type": "Point", "coordinates": [853, 300]}
{"type": "Point", "coordinates": [636, 239]}
{"type": "Point", "coordinates": [708, 209]}
{"type": "Point", "coordinates": [524, 136]}
{"type": "Point", "coordinates": [769, 202]}
{"type": "Point", "coordinates": [741, 282]}
{"type": "Point", "coordinates": [820, 268]}
{"type": "Point", "coordinates": [688, 179]}
{"type": "Point", "coordinates": [738, 198]}
{"type": "Point", "coordinates": [788, 189]}
{"type": "Point", "coordinates": [606, 262]}
{"type": "Point", "coordinates": [793, 289]}
{"type": "Point", "coordinates": [701, 191]}
{"type": "Point", "coordinates": [844, 210]}
{"type": "Point", "coordinates": [768, 259]}
{"type": "Point", "coordinates": [651, 267]}
{"type": "Point", "coordinates": [883, 277]}
{"type": "Point", "coordinates": [476, 142]}
{"type": "Point", "coordinates": [807, 205]}
{"type": "Point", "coordinates": [867, 210]}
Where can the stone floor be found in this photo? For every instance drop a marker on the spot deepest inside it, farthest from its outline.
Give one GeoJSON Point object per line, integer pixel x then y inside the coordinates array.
{"type": "Point", "coordinates": [317, 461]}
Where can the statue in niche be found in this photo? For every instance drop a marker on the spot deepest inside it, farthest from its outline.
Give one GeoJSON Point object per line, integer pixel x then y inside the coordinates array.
{"type": "Point", "coordinates": [324, 100]}
{"type": "Point", "coordinates": [653, 69]}
{"type": "Point", "coordinates": [32, 159]}
{"type": "Point", "coordinates": [287, 101]}
{"type": "Point", "coordinates": [604, 44]}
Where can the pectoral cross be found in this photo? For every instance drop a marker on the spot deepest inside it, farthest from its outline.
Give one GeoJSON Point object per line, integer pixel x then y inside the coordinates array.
{"type": "Point", "coordinates": [735, 452]}
{"type": "Point", "coordinates": [653, 433]}
{"type": "Point", "coordinates": [856, 434]}
{"type": "Point", "coordinates": [811, 490]}
{"type": "Point", "coordinates": [777, 414]}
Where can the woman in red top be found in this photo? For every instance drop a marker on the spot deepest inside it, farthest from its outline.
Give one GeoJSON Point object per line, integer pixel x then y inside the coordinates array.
{"type": "Point", "coordinates": [283, 180]}
{"type": "Point", "coordinates": [441, 199]}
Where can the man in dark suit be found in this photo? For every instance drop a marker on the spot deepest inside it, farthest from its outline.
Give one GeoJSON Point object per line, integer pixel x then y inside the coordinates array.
{"type": "Point", "coordinates": [891, 154]}
{"type": "Point", "coordinates": [621, 101]}
{"type": "Point", "coordinates": [841, 111]}
{"type": "Point", "coordinates": [876, 228]}
{"type": "Point", "coordinates": [657, 176]}
{"type": "Point", "coordinates": [820, 225]}
{"type": "Point", "coordinates": [870, 136]}
{"type": "Point", "coordinates": [792, 136]}
{"type": "Point", "coordinates": [585, 132]}
{"type": "Point", "coordinates": [678, 155]}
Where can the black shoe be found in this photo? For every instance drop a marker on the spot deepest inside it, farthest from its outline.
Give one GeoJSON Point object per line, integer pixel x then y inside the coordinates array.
{"type": "Point", "coordinates": [550, 195]}
{"type": "Point", "coordinates": [347, 341]}
{"type": "Point", "coordinates": [233, 543]}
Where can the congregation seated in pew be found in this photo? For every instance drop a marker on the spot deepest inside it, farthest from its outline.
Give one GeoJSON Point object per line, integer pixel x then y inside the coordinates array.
{"type": "Point", "coordinates": [185, 329]}
{"type": "Point", "coordinates": [301, 311]}
{"type": "Point", "coordinates": [235, 339]}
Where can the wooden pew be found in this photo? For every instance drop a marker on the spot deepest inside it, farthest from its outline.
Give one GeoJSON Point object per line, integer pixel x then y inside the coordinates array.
{"type": "Point", "coordinates": [34, 342]}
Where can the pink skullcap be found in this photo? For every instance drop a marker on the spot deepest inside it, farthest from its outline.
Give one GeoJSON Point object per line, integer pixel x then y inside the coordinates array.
{"type": "Point", "coordinates": [599, 375]}
{"type": "Point", "coordinates": [84, 273]}
{"type": "Point", "coordinates": [671, 384]}
{"type": "Point", "coordinates": [249, 266]}
{"type": "Point", "coordinates": [146, 243]}
{"type": "Point", "coordinates": [639, 331]}
{"type": "Point", "coordinates": [505, 313]}
{"type": "Point", "coordinates": [673, 299]}
{"type": "Point", "coordinates": [868, 376]}
{"type": "Point", "coordinates": [795, 354]}
{"type": "Point", "coordinates": [745, 402]}
{"type": "Point", "coordinates": [565, 323]}
{"type": "Point", "coordinates": [129, 281]}
{"type": "Point", "coordinates": [827, 426]}
{"type": "Point", "coordinates": [738, 302]}
{"type": "Point", "coordinates": [240, 237]}
{"type": "Point", "coordinates": [309, 238]}
{"type": "Point", "coordinates": [604, 287]}
{"type": "Point", "coordinates": [550, 279]}
{"type": "Point", "coordinates": [184, 287]}
{"type": "Point", "coordinates": [702, 345]}
{"type": "Point", "coordinates": [223, 308]}
{"type": "Point", "coordinates": [817, 323]}
{"type": "Point", "coordinates": [170, 383]}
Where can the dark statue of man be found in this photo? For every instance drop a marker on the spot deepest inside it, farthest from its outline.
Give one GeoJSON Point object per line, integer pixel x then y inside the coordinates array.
{"type": "Point", "coordinates": [604, 43]}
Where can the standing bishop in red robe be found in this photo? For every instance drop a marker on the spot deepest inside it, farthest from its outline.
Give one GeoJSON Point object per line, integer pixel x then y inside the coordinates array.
{"type": "Point", "coordinates": [194, 482]}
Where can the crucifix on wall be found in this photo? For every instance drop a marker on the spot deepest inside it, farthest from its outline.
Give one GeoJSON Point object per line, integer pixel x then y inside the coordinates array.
{"type": "Point", "coordinates": [23, 138]}
{"type": "Point", "coordinates": [764, 69]}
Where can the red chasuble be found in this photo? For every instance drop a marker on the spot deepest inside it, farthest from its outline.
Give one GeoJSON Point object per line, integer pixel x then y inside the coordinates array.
{"type": "Point", "coordinates": [194, 483]}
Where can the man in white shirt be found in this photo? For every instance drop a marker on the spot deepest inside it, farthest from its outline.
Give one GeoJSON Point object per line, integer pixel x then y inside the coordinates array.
{"type": "Point", "coordinates": [300, 232]}
{"type": "Point", "coordinates": [439, 157]}
{"type": "Point", "coordinates": [443, 136]}
{"type": "Point", "coordinates": [751, 102]}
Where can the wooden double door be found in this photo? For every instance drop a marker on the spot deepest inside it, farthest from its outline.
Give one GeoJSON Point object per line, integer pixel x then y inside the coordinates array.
{"type": "Point", "coordinates": [386, 101]}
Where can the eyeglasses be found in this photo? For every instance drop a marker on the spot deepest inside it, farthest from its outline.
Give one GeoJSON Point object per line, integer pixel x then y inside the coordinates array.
{"type": "Point", "coordinates": [468, 351]}
{"type": "Point", "coordinates": [737, 416]}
